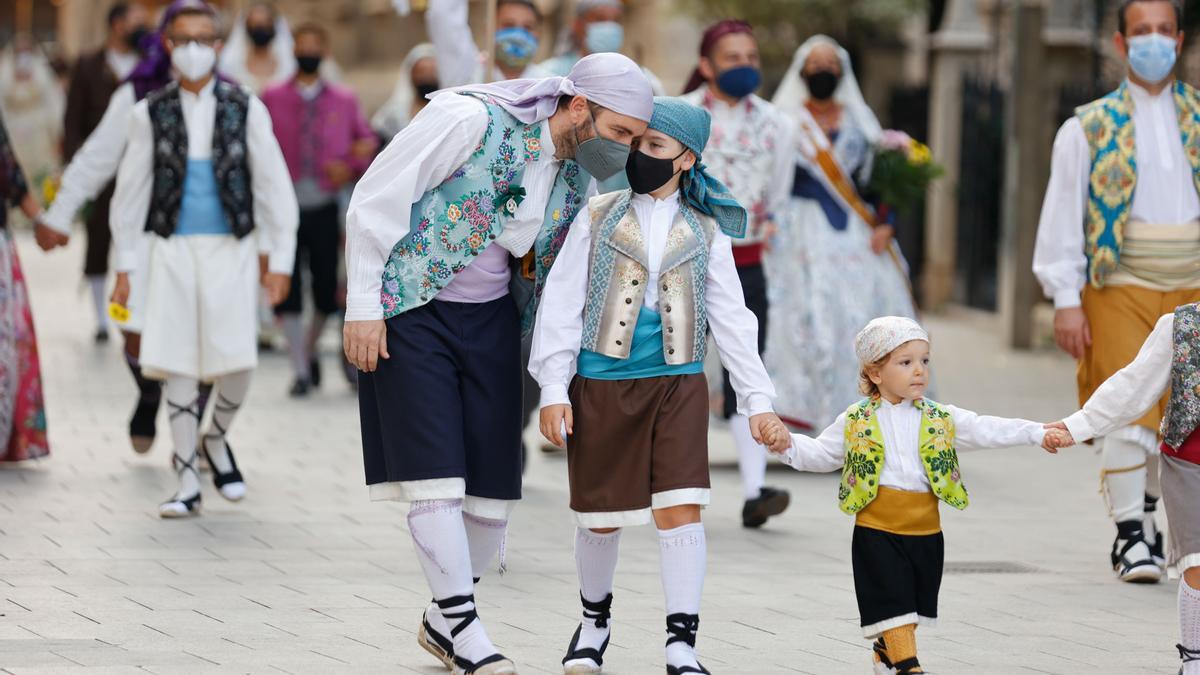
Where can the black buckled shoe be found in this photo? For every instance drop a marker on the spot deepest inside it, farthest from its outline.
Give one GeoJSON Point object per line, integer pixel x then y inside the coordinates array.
{"type": "Point", "coordinates": [769, 502]}
{"type": "Point", "coordinates": [587, 661]}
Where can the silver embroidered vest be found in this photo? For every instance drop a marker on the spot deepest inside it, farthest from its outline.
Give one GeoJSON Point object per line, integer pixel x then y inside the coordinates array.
{"type": "Point", "coordinates": [618, 274]}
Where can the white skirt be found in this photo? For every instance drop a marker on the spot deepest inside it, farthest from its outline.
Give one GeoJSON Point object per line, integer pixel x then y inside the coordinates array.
{"type": "Point", "coordinates": [200, 318]}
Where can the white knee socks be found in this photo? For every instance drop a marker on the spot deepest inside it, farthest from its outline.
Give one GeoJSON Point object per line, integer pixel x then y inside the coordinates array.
{"type": "Point", "coordinates": [684, 554]}
{"type": "Point", "coordinates": [183, 407]}
{"type": "Point", "coordinates": [596, 562]}
{"type": "Point", "coordinates": [440, 537]}
{"type": "Point", "coordinates": [752, 457]}
{"type": "Point", "coordinates": [485, 536]}
{"type": "Point", "coordinates": [1189, 624]}
{"type": "Point", "coordinates": [231, 393]}
{"type": "Point", "coordinates": [1124, 477]}
{"type": "Point", "coordinates": [96, 284]}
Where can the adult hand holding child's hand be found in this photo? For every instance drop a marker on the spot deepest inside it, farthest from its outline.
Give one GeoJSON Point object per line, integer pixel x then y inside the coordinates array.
{"type": "Point", "coordinates": [1057, 436]}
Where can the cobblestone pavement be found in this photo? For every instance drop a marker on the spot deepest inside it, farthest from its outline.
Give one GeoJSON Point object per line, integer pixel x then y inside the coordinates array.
{"type": "Point", "coordinates": [306, 575]}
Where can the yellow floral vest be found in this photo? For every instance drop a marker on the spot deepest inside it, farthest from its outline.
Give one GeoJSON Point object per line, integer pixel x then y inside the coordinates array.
{"type": "Point", "coordinates": [864, 455]}
{"type": "Point", "coordinates": [1108, 125]}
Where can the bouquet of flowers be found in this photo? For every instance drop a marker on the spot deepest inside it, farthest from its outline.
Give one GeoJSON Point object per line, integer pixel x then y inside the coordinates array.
{"type": "Point", "coordinates": [903, 170]}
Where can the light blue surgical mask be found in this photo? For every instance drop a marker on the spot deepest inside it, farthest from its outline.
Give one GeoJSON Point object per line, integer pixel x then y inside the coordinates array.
{"type": "Point", "coordinates": [1152, 56]}
{"type": "Point", "coordinates": [515, 47]}
{"type": "Point", "coordinates": [604, 36]}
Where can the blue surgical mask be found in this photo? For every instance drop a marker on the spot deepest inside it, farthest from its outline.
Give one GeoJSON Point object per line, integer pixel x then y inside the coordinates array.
{"type": "Point", "coordinates": [515, 47]}
{"type": "Point", "coordinates": [1151, 56]}
{"type": "Point", "coordinates": [739, 82]}
{"type": "Point", "coordinates": [604, 36]}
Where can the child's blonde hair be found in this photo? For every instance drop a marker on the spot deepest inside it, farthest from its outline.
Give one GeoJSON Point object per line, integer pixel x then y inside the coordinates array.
{"type": "Point", "coordinates": [866, 386]}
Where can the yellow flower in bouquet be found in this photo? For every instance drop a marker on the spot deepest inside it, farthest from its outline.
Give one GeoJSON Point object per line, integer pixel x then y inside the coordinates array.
{"type": "Point", "coordinates": [920, 154]}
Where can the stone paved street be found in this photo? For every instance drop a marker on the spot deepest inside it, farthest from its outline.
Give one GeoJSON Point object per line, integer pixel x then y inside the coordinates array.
{"type": "Point", "coordinates": [307, 576]}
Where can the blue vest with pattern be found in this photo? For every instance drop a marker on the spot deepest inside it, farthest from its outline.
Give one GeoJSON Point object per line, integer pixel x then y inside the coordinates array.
{"type": "Point", "coordinates": [455, 221]}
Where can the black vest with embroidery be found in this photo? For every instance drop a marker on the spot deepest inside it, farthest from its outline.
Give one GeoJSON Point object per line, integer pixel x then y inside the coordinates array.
{"type": "Point", "coordinates": [229, 158]}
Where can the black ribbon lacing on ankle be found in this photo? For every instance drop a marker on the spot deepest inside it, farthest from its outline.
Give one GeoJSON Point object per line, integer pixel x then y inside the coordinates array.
{"type": "Point", "coordinates": [465, 617]}
{"type": "Point", "coordinates": [1188, 655]}
{"type": "Point", "coordinates": [181, 465]}
{"type": "Point", "coordinates": [682, 628]}
{"type": "Point", "coordinates": [909, 665]}
{"type": "Point", "coordinates": [598, 612]}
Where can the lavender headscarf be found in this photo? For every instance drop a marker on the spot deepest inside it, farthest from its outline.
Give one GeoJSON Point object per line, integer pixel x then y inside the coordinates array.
{"type": "Point", "coordinates": [609, 80]}
{"type": "Point", "coordinates": [154, 70]}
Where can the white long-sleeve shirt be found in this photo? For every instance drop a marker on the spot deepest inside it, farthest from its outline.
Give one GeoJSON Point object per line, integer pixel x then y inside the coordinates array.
{"type": "Point", "coordinates": [459, 60]}
{"type": "Point", "coordinates": [558, 333]}
{"type": "Point", "coordinates": [1165, 193]}
{"type": "Point", "coordinates": [900, 424]}
{"type": "Point", "coordinates": [1132, 390]}
{"type": "Point", "coordinates": [276, 214]}
{"type": "Point", "coordinates": [434, 145]}
{"type": "Point", "coordinates": [95, 163]}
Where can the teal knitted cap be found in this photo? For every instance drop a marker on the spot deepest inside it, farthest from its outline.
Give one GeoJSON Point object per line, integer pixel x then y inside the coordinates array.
{"type": "Point", "coordinates": [690, 125]}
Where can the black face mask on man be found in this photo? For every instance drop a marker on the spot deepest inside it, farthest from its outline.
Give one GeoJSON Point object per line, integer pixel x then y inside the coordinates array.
{"type": "Point", "coordinates": [308, 64]}
{"type": "Point", "coordinates": [261, 36]}
{"type": "Point", "coordinates": [134, 37]}
{"type": "Point", "coordinates": [647, 174]}
{"type": "Point", "coordinates": [822, 84]}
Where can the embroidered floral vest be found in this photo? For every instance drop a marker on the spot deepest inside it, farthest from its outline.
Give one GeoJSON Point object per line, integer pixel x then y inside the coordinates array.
{"type": "Point", "coordinates": [454, 222]}
{"type": "Point", "coordinates": [1183, 408]}
{"type": "Point", "coordinates": [618, 274]}
{"type": "Point", "coordinates": [1108, 126]}
{"type": "Point", "coordinates": [864, 455]}
{"type": "Point", "coordinates": [229, 158]}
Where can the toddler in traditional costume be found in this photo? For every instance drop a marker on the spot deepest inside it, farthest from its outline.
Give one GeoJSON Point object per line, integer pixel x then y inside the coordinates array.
{"type": "Point", "coordinates": [618, 350]}
{"type": "Point", "coordinates": [896, 450]}
{"type": "Point", "coordinates": [1168, 360]}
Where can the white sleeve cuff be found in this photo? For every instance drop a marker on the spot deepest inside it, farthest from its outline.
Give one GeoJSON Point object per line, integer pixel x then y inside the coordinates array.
{"type": "Point", "coordinates": [1067, 298]}
{"type": "Point", "coordinates": [57, 220]}
{"type": "Point", "coordinates": [554, 394]}
{"type": "Point", "coordinates": [280, 263]}
{"type": "Point", "coordinates": [125, 261]}
{"type": "Point", "coordinates": [363, 307]}
{"type": "Point", "coordinates": [757, 404]}
{"type": "Point", "coordinates": [1081, 430]}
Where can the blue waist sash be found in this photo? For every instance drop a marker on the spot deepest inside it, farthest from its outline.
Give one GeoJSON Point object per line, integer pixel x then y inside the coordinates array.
{"type": "Point", "coordinates": [646, 358]}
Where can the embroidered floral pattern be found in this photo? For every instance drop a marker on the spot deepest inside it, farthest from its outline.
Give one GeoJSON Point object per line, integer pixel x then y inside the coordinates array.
{"type": "Point", "coordinates": [863, 442]}
{"type": "Point", "coordinates": [1183, 408]}
{"type": "Point", "coordinates": [457, 220]}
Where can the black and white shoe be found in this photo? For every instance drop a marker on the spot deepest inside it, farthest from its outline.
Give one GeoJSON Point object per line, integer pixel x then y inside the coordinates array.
{"type": "Point", "coordinates": [769, 502]}
{"type": "Point", "coordinates": [231, 485]}
{"type": "Point", "coordinates": [1131, 557]}
{"type": "Point", "coordinates": [432, 641]}
{"type": "Point", "coordinates": [588, 660]}
{"type": "Point", "coordinates": [180, 506]}
{"type": "Point", "coordinates": [1187, 656]}
{"type": "Point", "coordinates": [495, 664]}
{"type": "Point", "coordinates": [682, 628]}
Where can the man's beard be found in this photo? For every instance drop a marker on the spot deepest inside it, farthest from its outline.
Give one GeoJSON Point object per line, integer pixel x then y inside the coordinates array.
{"type": "Point", "coordinates": [566, 143]}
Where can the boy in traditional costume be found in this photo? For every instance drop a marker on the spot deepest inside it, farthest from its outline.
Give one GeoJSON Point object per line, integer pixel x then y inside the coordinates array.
{"type": "Point", "coordinates": [1169, 361]}
{"type": "Point", "coordinates": [618, 350]}
{"type": "Point", "coordinates": [1119, 245]}
{"type": "Point", "coordinates": [484, 178]}
{"type": "Point", "coordinates": [897, 452]}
